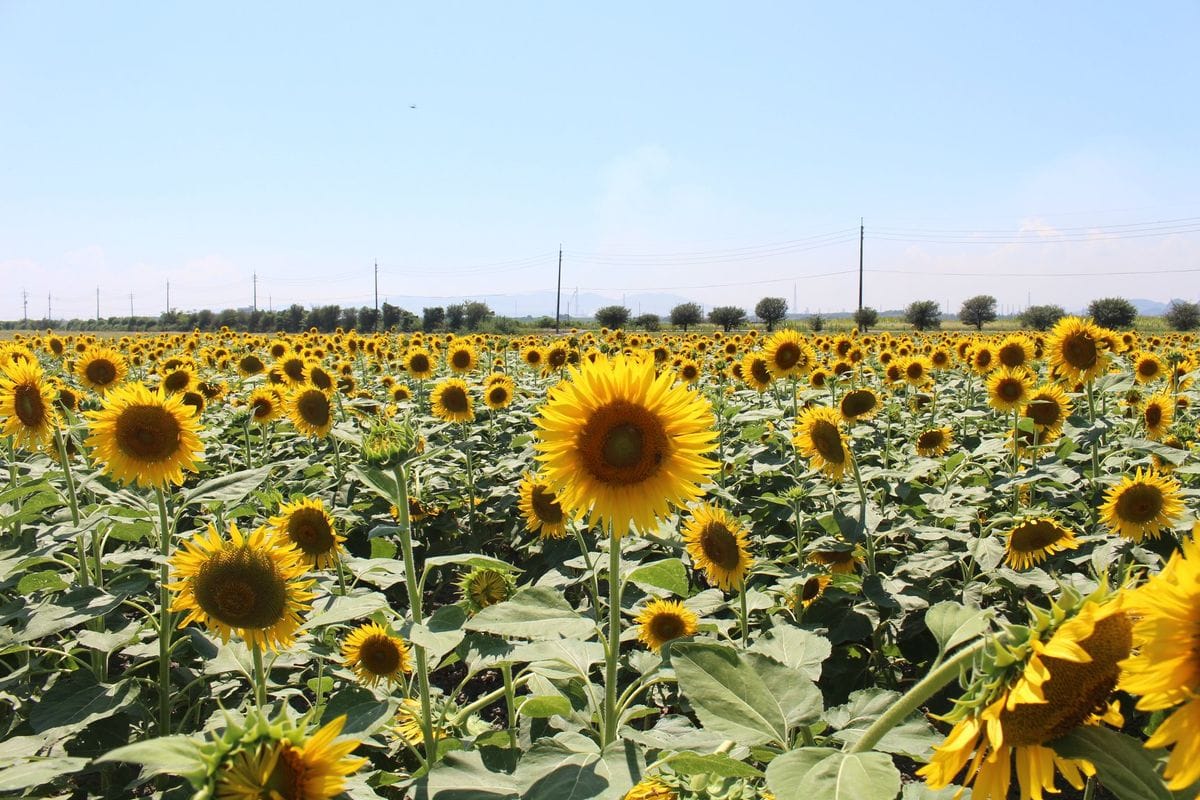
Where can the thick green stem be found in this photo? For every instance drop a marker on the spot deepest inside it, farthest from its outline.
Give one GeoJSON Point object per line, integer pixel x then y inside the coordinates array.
{"type": "Point", "coordinates": [612, 652]}
{"type": "Point", "coordinates": [510, 704]}
{"type": "Point", "coordinates": [260, 678]}
{"type": "Point", "coordinates": [414, 604]}
{"type": "Point", "coordinates": [593, 578]}
{"type": "Point", "coordinates": [926, 688]}
{"type": "Point", "coordinates": [466, 443]}
{"type": "Point", "coordinates": [164, 618]}
{"type": "Point", "coordinates": [868, 540]}
{"type": "Point", "coordinates": [745, 616]}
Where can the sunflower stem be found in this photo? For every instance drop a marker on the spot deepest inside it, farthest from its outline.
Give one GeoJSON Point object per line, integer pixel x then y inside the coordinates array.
{"type": "Point", "coordinates": [1016, 461]}
{"type": "Point", "coordinates": [612, 650]}
{"type": "Point", "coordinates": [510, 704]}
{"type": "Point", "coordinates": [1091, 399]}
{"type": "Point", "coordinates": [246, 439]}
{"type": "Point", "coordinates": [745, 615]}
{"type": "Point", "coordinates": [164, 623]}
{"type": "Point", "coordinates": [862, 513]}
{"type": "Point", "coordinates": [594, 582]}
{"type": "Point", "coordinates": [260, 677]}
{"type": "Point", "coordinates": [466, 445]}
{"type": "Point", "coordinates": [1089, 790]}
{"type": "Point", "coordinates": [926, 688]}
{"type": "Point", "coordinates": [99, 667]}
{"type": "Point", "coordinates": [414, 604]}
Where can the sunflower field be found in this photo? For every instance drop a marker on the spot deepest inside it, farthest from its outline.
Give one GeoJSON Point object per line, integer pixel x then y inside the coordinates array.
{"type": "Point", "coordinates": [855, 566]}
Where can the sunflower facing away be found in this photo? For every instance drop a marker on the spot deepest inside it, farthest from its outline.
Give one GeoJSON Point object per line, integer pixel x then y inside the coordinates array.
{"type": "Point", "coordinates": [307, 526]}
{"type": "Point", "coordinates": [543, 515]}
{"type": "Point", "coordinates": [665, 620]}
{"type": "Point", "coordinates": [101, 368]}
{"type": "Point", "coordinates": [1032, 541]}
{"type": "Point", "coordinates": [808, 592]}
{"type": "Point", "coordinates": [27, 406]}
{"type": "Point", "coordinates": [1030, 693]}
{"type": "Point", "coordinates": [623, 445]}
{"type": "Point", "coordinates": [1075, 350]}
{"type": "Point", "coordinates": [144, 437]}
{"type": "Point", "coordinates": [250, 585]}
{"type": "Point", "coordinates": [858, 404]}
{"type": "Point", "coordinates": [1158, 414]}
{"type": "Point", "coordinates": [651, 788]}
{"type": "Point", "coordinates": [818, 436]}
{"type": "Point", "coordinates": [716, 541]}
{"type": "Point", "coordinates": [1141, 506]}
{"type": "Point", "coordinates": [486, 586]}
{"type": "Point", "coordinates": [311, 411]}
{"type": "Point", "coordinates": [1165, 666]}
{"type": "Point", "coordinates": [375, 655]}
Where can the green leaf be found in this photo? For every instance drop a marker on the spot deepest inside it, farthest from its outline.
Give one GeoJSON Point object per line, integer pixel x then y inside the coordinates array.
{"type": "Point", "coordinates": [545, 706]}
{"type": "Point", "coordinates": [795, 648]}
{"type": "Point", "coordinates": [168, 755]}
{"type": "Point", "coordinates": [728, 695]}
{"type": "Point", "coordinates": [228, 489]}
{"type": "Point", "coordinates": [43, 580]}
{"type": "Point", "coordinates": [441, 633]}
{"type": "Point", "coordinates": [378, 481]}
{"type": "Point", "coordinates": [851, 776]}
{"type": "Point", "coordinates": [953, 623]}
{"type": "Point", "coordinates": [66, 611]}
{"type": "Point", "coordinates": [471, 560]}
{"type": "Point", "coordinates": [342, 608]}
{"type": "Point", "coordinates": [785, 772]}
{"type": "Point", "coordinates": [798, 696]}
{"type": "Point", "coordinates": [1123, 765]}
{"type": "Point", "coordinates": [463, 776]}
{"type": "Point", "coordinates": [668, 574]}
{"type": "Point", "coordinates": [78, 701]}
{"type": "Point", "coordinates": [713, 764]}
{"type": "Point", "coordinates": [364, 712]}
{"type": "Point", "coordinates": [38, 772]}
{"type": "Point", "coordinates": [533, 612]}
{"type": "Point", "coordinates": [914, 737]}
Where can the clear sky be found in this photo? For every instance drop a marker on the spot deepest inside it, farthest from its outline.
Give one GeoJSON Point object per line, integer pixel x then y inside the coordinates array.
{"type": "Point", "coordinates": [714, 151]}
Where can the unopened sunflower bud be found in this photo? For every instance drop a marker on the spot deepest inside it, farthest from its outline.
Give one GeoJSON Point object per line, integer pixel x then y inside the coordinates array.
{"type": "Point", "coordinates": [389, 444]}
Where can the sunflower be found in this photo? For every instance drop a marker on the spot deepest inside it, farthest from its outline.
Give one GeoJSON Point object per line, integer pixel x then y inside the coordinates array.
{"type": "Point", "coordinates": [1015, 351]}
{"type": "Point", "coordinates": [1158, 414]}
{"type": "Point", "coordinates": [983, 359]}
{"type": "Point", "coordinates": [934, 442]}
{"type": "Point", "coordinates": [808, 592]}
{"type": "Point", "coordinates": [689, 371]}
{"type": "Point", "coordinates": [66, 397]}
{"type": "Point", "coordinates": [916, 371]}
{"type": "Point", "coordinates": [662, 621]}
{"type": "Point", "coordinates": [486, 586]}
{"type": "Point", "coordinates": [287, 765]}
{"type": "Point", "coordinates": [1026, 696]}
{"type": "Point", "coordinates": [859, 404]}
{"type": "Point", "coordinates": [1048, 407]}
{"type": "Point", "coordinates": [623, 444]}
{"type": "Point", "coordinates": [311, 411]}
{"type": "Point", "coordinates": [533, 356]}
{"type": "Point", "coordinates": [1032, 541]}
{"type": "Point", "coordinates": [27, 406]}
{"type": "Point", "coordinates": [401, 393]}
{"type": "Point", "coordinates": [543, 515]}
{"type": "Point", "coordinates": [498, 393]}
{"type": "Point", "coordinates": [316, 376]}
{"type": "Point", "coordinates": [756, 372]}
{"type": "Point", "coordinates": [1075, 350]}
{"type": "Point", "coordinates": [1165, 666]}
{"type": "Point", "coordinates": [462, 359]}
{"type": "Point", "coordinates": [307, 525]}
{"type": "Point", "coordinates": [1141, 506]}
{"type": "Point", "coordinates": [843, 560]}
{"type": "Point", "coordinates": [716, 541]}
{"type": "Point", "coordinates": [250, 364]}
{"type": "Point", "coordinates": [293, 369]}
{"type": "Point", "coordinates": [1147, 367]}
{"type": "Point", "coordinates": [101, 368]}
{"type": "Point", "coordinates": [1008, 389]}
{"type": "Point", "coordinates": [651, 789]}
{"type": "Point", "coordinates": [556, 356]}
{"type": "Point", "coordinates": [265, 405]}
{"type": "Point", "coordinates": [451, 401]}
{"type": "Point", "coordinates": [818, 436]}
{"type": "Point", "coordinates": [788, 354]}
{"type": "Point", "coordinates": [419, 363]}
{"type": "Point", "coordinates": [145, 437]}
{"type": "Point", "coordinates": [250, 585]}
{"type": "Point", "coordinates": [375, 654]}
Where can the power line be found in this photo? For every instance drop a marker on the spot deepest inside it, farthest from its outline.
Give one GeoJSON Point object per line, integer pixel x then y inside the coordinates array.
{"type": "Point", "coordinates": [1040, 274]}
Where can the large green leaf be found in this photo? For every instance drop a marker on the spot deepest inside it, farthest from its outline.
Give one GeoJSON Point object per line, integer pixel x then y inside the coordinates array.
{"type": "Point", "coordinates": [229, 489]}
{"type": "Point", "coordinates": [712, 764]}
{"type": "Point", "coordinates": [913, 737]}
{"type": "Point", "coordinates": [533, 612]}
{"type": "Point", "coordinates": [669, 574]}
{"type": "Point", "coordinates": [795, 648]}
{"type": "Point", "coordinates": [728, 695]}
{"type": "Point", "coordinates": [38, 771]}
{"type": "Point", "coordinates": [359, 604]}
{"type": "Point", "coordinates": [168, 755]}
{"type": "Point", "coordinates": [77, 701]}
{"type": "Point", "coordinates": [953, 623]}
{"type": "Point", "coordinates": [803, 775]}
{"type": "Point", "coordinates": [1122, 764]}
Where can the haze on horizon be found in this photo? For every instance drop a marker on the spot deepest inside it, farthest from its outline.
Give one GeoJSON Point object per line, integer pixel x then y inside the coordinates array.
{"type": "Point", "coordinates": [721, 153]}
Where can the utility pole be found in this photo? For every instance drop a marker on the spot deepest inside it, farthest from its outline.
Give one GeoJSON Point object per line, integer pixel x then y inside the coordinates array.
{"type": "Point", "coordinates": [49, 315]}
{"type": "Point", "coordinates": [131, 309]}
{"type": "Point", "coordinates": [168, 298]}
{"type": "Point", "coordinates": [254, 300]}
{"type": "Point", "coordinates": [377, 289]}
{"type": "Point", "coordinates": [97, 304]}
{"type": "Point", "coordinates": [24, 309]}
{"type": "Point", "coordinates": [558, 292]}
{"type": "Point", "coordinates": [860, 261]}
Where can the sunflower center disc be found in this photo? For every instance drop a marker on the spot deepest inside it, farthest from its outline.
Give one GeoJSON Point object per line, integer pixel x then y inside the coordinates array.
{"type": "Point", "coordinates": [623, 446]}
{"type": "Point", "coordinates": [461, 359]}
{"type": "Point", "coordinates": [294, 369]}
{"type": "Point", "coordinates": [858, 402]}
{"type": "Point", "coordinates": [1034, 536]}
{"type": "Point", "coordinates": [828, 441]}
{"type": "Point", "coordinates": [147, 433]}
{"type": "Point", "coordinates": [665, 627]}
{"type": "Point", "coordinates": [176, 381]}
{"type": "Point", "coordinates": [1153, 415]}
{"type": "Point", "coordinates": [1140, 503]}
{"type": "Point", "coordinates": [1080, 351]}
{"type": "Point", "coordinates": [1044, 411]}
{"type": "Point", "coordinates": [929, 440]}
{"type": "Point", "coordinates": [760, 371]}
{"type": "Point", "coordinates": [287, 779]}
{"type": "Point", "coordinates": [314, 408]}
{"type": "Point", "coordinates": [261, 408]}
{"type": "Point", "coordinates": [1011, 390]}
{"type": "Point", "coordinates": [810, 590]}
{"type": "Point", "coordinates": [380, 655]}
{"type": "Point", "coordinates": [251, 364]}
{"type": "Point", "coordinates": [101, 372]}
{"type": "Point", "coordinates": [720, 546]}
{"type": "Point", "coordinates": [242, 589]}
{"type": "Point", "coordinates": [31, 410]}
{"type": "Point", "coordinates": [454, 400]}
{"type": "Point", "coordinates": [787, 356]}
{"type": "Point", "coordinates": [309, 530]}
{"type": "Point", "coordinates": [546, 506]}
{"type": "Point", "coordinates": [419, 363]}
{"type": "Point", "coordinates": [498, 394]}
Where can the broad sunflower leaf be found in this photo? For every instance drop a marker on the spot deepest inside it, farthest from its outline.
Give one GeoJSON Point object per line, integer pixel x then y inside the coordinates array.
{"type": "Point", "coordinates": [77, 701]}
{"type": "Point", "coordinates": [228, 489]}
{"type": "Point", "coordinates": [953, 623]}
{"type": "Point", "coordinates": [837, 776]}
{"type": "Point", "coordinates": [38, 771]}
{"type": "Point", "coordinates": [712, 764]}
{"type": "Point", "coordinates": [1123, 765]}
{"type": "Point", "coordinates": [167, 755]}
{"type": "Point", "coordinates": [533, 612]}
{"type": "Point", "coordinates": [668, 574]}
{"type": "Point", "coordinates": [728, 694]}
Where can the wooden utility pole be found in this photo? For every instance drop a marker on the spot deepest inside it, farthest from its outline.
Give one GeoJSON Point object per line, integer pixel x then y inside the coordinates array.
{"type": "Point", "coordinates": [97, 304]}
{"type": "Point", "coordinates": [558, 293]}
{"type": "Point", "coordinates": [376, 289]}
{"type": "Point", "coordinates": [254, 294]}
{"type": "Point", "coordinates": [860, 262]}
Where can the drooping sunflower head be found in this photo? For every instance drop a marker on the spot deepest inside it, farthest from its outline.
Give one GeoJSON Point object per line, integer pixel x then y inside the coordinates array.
{"type": "Point", "coordinates": [250, 364]}
{"type": "Point", "coordinates": [452, 401]}
{"type": "Point", "coordinates": [859, 404]}
{"type": "Point", "coordinates": [1008, 389]}
{"type": "Point", "coordinates": [486, 586]}
{"type": "Point", "coordinates": [145, 437]}
{"type": "Point", "coordinates": [808, 591]}
{"type": "Point", "coordinates": [311, 411]}
{"type": "Point", "coordinates": [663, 621]}
{"type": "Point", "coordinates": [310, 529]}
{"type": "Point", "coordinates": [1142, 506]}
{"type": "Point", "coordinates": [716, 541]}
{"type": "Point", "coordinates": [1157, 414]}
{"type": "Point", "coordinates": [818, 436]}
{"type": "Point", "coordinates": [27, 409]}
{"type": "Point", "coordinates": [651, 788]}
{"type": "Point", "coordinates": [622, 445]}
{"type": "Point", "coordinates": [788, 354]}
{"type": "Point", "coordinates": [934, 442]}
{"type": "Point", "coordinates": [376, 655]}
{"type": "Point", "coordinates": [839, 558]}
{"type": "Point", "coordinates": [540, 507]}
{"type": "Point", "coordinates": [250, 585]}
{"type": "Point", "coordinates": [1032, 541]}
{"type": "Point", "coordinates": [1075, 349]}
{"type": "Point", "coordinates": [101, 368]}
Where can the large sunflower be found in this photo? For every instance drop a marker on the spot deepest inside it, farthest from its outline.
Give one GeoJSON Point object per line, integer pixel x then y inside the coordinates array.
{"type": "Point", "coordinates": [310, 411]}
{"type": "Point", "coordinates": [756, 372]}
{"type": "Point", "coordinates": [858, 404]}
{"type": "Point", "coordinates": [1048, 407]}
{"type": "Point", "coordinates": [1029, 695]}
{"type": "Point", "coordinates": [420, 363]}
{"type": "Point", "coordinates": [1008, 389]}
{"type": "Point", "coordinates": [375, 654]}
{"type": "Point", "coordinates": [1015, 351]}
{"type": "Point", "coordinates": [788, 354]}
{"type": "Point", "coordinates": [1032, 541]}
{"type": "Point", "coordinates": [27, 406]}
{"type": "Point", "coordinates": [101, 368]}
{"type": "Point", "coordinates": [145, 437]}
{"type": "Point", "coordinates": [664, 620]}
{"type": "Point", "coordinates": [451, 401]}
{"type": "Point", "coordinates": [1158, 414]}
{"type": "Point", "coordinates": [543, 515]}
{"type": "Point", "coordinates": [808, 592]}
{"type": "Point", "coordinates": [250, 585]}
{"type": "Point", "coordinates": [462, 359]}
{"type": "Point", "coordinates": [287, 765]}
{"type": "Point", "coordinates": [1165, 666]}
{"type": "Point", "coordinates": [1075, 349]}
{"type": "Point", "coordinates": [818, 436]}
{"type": "Point", "coordinates": [622, 444]}
{"type": "Point", "coordinates": [265, 405]}
{"type": "Point", "coordinates": [716, 541]}
{"type": "Point", "coordinates": [1147, 367]}
{"type": "Point", "coordinates": [307, 525]}
{"type": "Point", "coordinates": [1141, 506]}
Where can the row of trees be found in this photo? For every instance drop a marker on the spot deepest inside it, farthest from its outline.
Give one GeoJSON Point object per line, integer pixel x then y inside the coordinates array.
{"type": "Point", "coordinates": [1110, 312]}
{"type": "Point", "coordinates": [770, 310]}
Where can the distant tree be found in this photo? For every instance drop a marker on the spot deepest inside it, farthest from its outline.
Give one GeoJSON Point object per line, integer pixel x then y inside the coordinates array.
{"type": "Point", "coordinates": [771, 310]}
{"type": "Point", "coordinates": [368, 319]}
{"type": "Point", "coordinates": [347, 319]}
{"type": "Point", "coordinates": [865, 318]}
{"type": "Point", "coordinates": [293, 318]}
{"type": "Point", "coordinates": [408, 321]}
{"type": "Point", "coordinates": [204, 319]}
{"type": "Point", "coordinates": [728, 317]}
{"type": "Point", "coordinates": [475, 314]}
{"type": "Point", "coordinates": [1041, 318]}
{"type": "Point", "coordinates": [456, 316]}
{"type": "Point", "coordinates": [432, 318]}
{"type": "Point", "coordinates": [389, 316]}
{"type": "Point", "coordinates": [647, 322]}
{"type": "Point", "coordinates": [978, 311]}
{"type": "Point", "coordinates": [816, 322]}
{"type": "Point", "coordinates": [612, 316]}
{"type": "Point", "coordinates": [923, 315]}
{"type": "Point", "coordinates": [686, 314]}
{"type": "Point", "coordinates": [1112, 312]}
{"type": "Point", "coordinates": [1183, 316]}
{"type": "Point", "coordinates": [228, 318]}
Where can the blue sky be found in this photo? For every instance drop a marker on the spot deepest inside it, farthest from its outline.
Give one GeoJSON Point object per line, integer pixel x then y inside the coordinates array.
{"type": "Point", "coordinates": [715, 151]}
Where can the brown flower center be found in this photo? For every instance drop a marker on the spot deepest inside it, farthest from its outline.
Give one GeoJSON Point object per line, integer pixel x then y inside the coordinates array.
{"type": "Point", "coordinates": [460, 359]}
{"type": "Point", "coordinates": [545, 505]}
{"type": "Point", "coordinates": [623, 444]}
{"type": "Point", "coordinates": [859, 402]}
{"type": "Point", "coordinates": [1035, 535]}
{"type": "Point", "coordinates": [1140, 502]}
{"type": "Point", "coordinates": [148, 433]}
{"type": "Point", "coordinates": [454, 400]}
{"type": "Point", "coordinates": [665, 626]}
{"type": "Point", "coordinates": [720, 546]}
{"type": "Point", "coordinates": [379, 655]}
{"type": "Point", "coordinates": [1044, 411]}
{"type": "Point", "coordinates": [30, 407]}
{"type": "Point", "coordinates": [308, 528]}
{"type": "Point", "coordinates": [827, 440]}
{"type": "Point", "coordinates": [241, 588]}
{"type": "Point", "coordinates": [101, 371]}
{"type": "Point", "coordinates": [314, 409]}
{"type": "Point", "coordinates": [1079, 350]}
{"type": "Point", "coordinates": [787, 355]}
